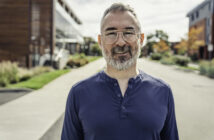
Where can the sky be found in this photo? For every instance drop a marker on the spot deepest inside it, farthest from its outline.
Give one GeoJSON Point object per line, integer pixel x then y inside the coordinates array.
{"type": "Point", "coordinates": [166, 15]}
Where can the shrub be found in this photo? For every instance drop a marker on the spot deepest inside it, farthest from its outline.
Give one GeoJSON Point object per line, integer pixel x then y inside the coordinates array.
{"type": "Point", "coordinates": [167, 61]}
{"type": "Point", "coordinates": [211, 71]}
{"type": "Point", "coordinates": [156, 56]}
{"type": "Point", "coordinates": [82, 55]}
{"type": "Point", "coordinates": [194, 57]}
{"type": "Point", "coordinates": [181, 60]}
{"type": "Point", "coordinates": [8, 73]}
{"type": "Point", "coordinates": [41, 69]}
{"type": "Point", "coordinates": [207, 68]}
{"type": "Point", "coordinates": [204, 67]}
{"type": "Point", "coordinates": [77, 60]}
{"type": "Point", "coordinates": [24, 74]}
{"type": "Point", "coordinates": [95, 49]}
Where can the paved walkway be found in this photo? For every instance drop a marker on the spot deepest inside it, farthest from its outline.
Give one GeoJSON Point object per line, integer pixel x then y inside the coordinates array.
{"type": "Point", "coordinates": [29, 117]}
{"type": "Point", "coordinates": [194, 99]}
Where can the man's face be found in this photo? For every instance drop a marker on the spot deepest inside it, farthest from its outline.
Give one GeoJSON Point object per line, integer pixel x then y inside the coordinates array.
{"type": "Point", "coordinates": [120, 40]}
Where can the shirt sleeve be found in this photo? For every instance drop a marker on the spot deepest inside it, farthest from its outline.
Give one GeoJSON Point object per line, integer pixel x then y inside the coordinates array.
{"type": "Point", "coordinates": [72, 129]}
{"type": "Point", "coordinates": [169, 131]}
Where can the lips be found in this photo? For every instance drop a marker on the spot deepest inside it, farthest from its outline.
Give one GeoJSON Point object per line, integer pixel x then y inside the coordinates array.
{"type": "Point", "coordinates": [121, 50]}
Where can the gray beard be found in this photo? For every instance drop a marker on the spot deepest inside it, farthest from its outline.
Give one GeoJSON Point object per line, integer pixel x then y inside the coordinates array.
{"type": "Point", "coordinates": [117, 64]}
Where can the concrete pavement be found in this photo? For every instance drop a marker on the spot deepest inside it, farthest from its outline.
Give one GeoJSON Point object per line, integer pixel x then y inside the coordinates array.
{"type": "Point", "coordinates": [31, 116]}
{"type": "Point", "coordinates": [194, 99]}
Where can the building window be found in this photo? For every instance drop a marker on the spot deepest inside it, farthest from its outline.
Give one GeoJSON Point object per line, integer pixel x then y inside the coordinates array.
{"type": "Point", "coordinates": [192, 17]}
{"type": "Point", "coordinates": [197, 14]}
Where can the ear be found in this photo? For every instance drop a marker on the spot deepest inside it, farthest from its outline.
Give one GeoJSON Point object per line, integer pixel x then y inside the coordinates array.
{"type": "Point", "coordinates": [141, 38]}
{"type": "Point", "coordinates": [99, 41]}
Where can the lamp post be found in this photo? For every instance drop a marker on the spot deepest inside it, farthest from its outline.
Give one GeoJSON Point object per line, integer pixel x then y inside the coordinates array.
{"type": "Point", "coordinates": [210, 45]}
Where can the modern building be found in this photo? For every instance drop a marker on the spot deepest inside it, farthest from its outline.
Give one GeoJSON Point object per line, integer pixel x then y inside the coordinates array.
{"type": "Point", "coordinates": [36, 32]}
{"type": "Point", "coordinates": [203, 16]}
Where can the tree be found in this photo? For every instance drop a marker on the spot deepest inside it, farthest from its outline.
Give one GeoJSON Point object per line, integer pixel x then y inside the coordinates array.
{"type": "Point", "coordinates": [161, 47]}
{"type": "Point", "coordinates": [181, 47]}
{"type": "Point", "coordinates": [191, 44]}
{"type": "Point", "coordinates": [153, 38]}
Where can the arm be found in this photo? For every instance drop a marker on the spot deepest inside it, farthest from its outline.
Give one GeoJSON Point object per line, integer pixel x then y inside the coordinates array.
{"type": "Point", "coordinates": [169, 131]}
{"type": "Point", "coordinates": [72, 129]}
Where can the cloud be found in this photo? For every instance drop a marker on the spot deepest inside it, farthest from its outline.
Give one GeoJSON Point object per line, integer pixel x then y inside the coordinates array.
{"type": "Point", "coordinates": [167, 15]}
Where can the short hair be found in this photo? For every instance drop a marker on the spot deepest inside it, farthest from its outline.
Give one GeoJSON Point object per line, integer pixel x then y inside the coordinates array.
{"type": "Point", "coordinates": [122, 8]}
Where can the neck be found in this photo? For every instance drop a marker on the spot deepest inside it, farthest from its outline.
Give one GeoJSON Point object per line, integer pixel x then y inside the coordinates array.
{"type": "Point", "coordinates": [122, 74]}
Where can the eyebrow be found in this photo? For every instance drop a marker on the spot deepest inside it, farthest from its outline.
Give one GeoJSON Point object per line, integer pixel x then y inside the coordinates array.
{"type": "Point", "coordinates": [110, 28]}
{"type": "Point", "coordinates": [129, 28]}
{"type": "Point", "coordinates": [113, 28]}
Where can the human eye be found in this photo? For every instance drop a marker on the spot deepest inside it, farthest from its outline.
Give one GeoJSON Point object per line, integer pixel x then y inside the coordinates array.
{"type": "Point", "coordinates": [111, 33]}
{"type": "Point", "coordinates": [128, 33]}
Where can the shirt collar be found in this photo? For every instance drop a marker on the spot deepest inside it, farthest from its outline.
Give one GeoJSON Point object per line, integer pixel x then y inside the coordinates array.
{"type": "Point", "coordinates": [135, 79]}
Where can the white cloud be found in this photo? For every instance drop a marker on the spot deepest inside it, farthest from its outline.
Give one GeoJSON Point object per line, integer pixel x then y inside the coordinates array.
{"type": "Point", "coordinates": [167, 15]}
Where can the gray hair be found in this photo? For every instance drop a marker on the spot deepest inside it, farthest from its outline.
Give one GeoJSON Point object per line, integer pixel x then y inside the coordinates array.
{"type": "Point", "coordinates": [122, 8]}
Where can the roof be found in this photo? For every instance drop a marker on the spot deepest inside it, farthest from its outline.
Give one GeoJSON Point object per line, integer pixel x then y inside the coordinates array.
{"type": "Point", "coordinates": [68, 9]}
{"type": "Point", "coordinates": [198, 7]}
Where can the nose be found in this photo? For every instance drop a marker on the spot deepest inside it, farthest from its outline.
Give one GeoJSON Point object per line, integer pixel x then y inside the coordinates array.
{"type": "Point", "coordinates": [120, 41]}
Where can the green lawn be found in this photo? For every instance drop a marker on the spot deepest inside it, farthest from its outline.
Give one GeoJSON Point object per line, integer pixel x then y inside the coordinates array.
{"type": "Point", "coordinates": [92, 58]}
{"type": "Point", "coordinates": [82, 56]}
{"type": "Point", "coordinates": [39, 81]}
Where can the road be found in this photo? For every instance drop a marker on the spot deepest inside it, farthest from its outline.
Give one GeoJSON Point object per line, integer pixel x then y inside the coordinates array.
{"type": "Point", "coordinates": [194, 99]}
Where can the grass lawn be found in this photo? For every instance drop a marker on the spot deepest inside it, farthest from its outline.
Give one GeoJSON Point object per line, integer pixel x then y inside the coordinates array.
{"type": "Point", "coordinates": [92, 58]}
{"type": "Point", "coordinates": [39, 81]}
{"type": "Point", "coordinates": [81, 56]}
{"type": "Point", "coordinates": [190, 68]}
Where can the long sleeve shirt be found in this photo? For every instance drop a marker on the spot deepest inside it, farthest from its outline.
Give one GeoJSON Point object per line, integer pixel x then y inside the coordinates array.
{"type": "Point", "coordinates": [96, 110]}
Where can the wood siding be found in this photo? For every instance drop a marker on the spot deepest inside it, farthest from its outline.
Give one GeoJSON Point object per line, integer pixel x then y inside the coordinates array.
{"type": "Point", "coordinates": [26, 30]}
{"type": "Point", "coordinates": [14, 27]}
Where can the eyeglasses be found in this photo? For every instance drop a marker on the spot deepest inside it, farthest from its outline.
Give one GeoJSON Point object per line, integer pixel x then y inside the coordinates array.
{"type": "Point", "coordinates": [110, 37]}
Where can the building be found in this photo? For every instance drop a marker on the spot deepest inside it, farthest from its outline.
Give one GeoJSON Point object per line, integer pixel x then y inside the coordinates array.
{"type": "Point", "coordinates": [203, 16]}
{"type": "Point", "coordinates": [35, 32]}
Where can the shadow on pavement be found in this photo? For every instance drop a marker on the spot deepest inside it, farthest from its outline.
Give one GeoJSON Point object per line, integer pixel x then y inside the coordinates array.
{"type": "Point", "coordinates": [7, 95]}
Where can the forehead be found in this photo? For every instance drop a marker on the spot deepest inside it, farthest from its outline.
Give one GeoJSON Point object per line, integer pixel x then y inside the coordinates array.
{"type": "Point", "coordinates": [119, 20]}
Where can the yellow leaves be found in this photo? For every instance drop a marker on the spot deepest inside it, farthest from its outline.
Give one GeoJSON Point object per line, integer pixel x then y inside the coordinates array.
{"type": "Point", "coordinates": [194, 33]}
{"type": "Point", "coordinates": [194, 39]}
{"type": "Point", "coordinates": [193, 42]}
{"type": "Point", "coordinates": [161, 46]}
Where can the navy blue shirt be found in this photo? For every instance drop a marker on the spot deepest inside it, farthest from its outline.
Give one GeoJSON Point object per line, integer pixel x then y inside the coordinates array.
{"type": "Point", "coordinates": [96, 110]}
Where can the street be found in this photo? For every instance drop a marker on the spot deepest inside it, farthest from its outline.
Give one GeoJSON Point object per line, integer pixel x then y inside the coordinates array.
{"type": "Point", "coordinates": [193, 95]}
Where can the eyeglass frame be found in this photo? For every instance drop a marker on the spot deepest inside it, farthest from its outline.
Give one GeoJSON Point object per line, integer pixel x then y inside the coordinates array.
{"type": "Point", "coordinates": [121, 32]}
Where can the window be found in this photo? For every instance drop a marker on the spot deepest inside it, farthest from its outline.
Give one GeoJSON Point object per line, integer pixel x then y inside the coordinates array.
{"type": "Point", "coordinates": [192, 17]}
{"type": "Point", "coordinates": [197, 14]}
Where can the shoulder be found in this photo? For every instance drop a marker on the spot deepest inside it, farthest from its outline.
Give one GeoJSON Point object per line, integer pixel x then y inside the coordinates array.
{"type": "Point", "coordinates": [85, 84]}
{"type": "Point", "coordinates": [154, 82]}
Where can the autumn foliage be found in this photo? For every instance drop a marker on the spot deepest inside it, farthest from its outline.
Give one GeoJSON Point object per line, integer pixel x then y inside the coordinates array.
{"type": "Point", "coordinates": [161, 47]}
{"type": "Point", "coordinates": [191, 44]}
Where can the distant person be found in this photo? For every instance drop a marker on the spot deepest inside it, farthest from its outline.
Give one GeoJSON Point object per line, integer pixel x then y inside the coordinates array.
{"type": "Point", "coordinates": [121, 102]}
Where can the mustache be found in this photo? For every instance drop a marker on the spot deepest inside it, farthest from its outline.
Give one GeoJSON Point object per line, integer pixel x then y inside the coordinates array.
{"type": "Point", "coordinates": [121, 49]}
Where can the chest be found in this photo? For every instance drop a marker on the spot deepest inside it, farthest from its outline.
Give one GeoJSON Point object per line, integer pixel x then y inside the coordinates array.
{"type": "Point", "coordinates": [139, 111]}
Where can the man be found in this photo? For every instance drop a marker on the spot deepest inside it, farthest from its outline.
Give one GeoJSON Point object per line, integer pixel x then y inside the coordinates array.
{"type": "Point", "coordinates": [121, 102]}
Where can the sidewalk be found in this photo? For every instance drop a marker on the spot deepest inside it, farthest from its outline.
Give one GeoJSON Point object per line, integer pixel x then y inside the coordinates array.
{"type": "Point", "coordinates": [29, 117]}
